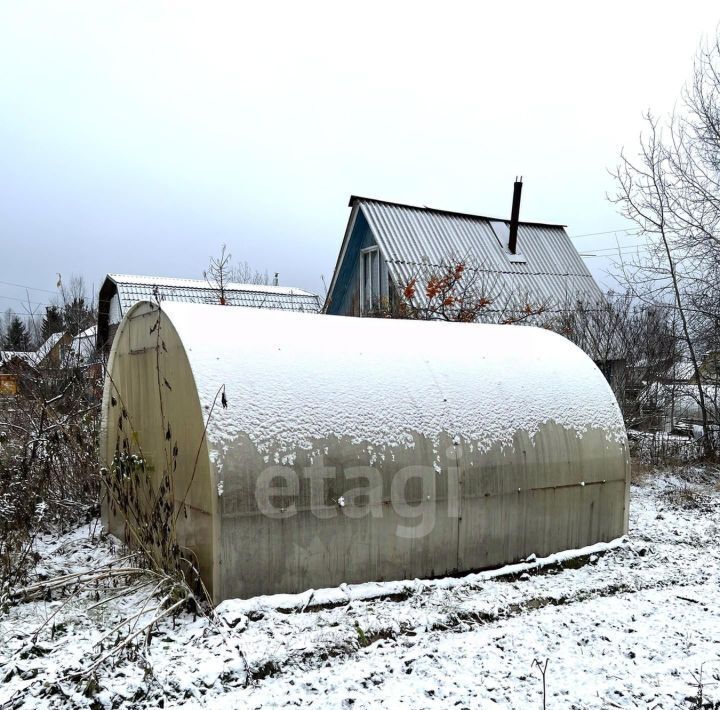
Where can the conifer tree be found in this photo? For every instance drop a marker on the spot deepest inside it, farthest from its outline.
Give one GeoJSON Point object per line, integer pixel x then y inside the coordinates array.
{"type": "Point", "coordinates": [17, 337]}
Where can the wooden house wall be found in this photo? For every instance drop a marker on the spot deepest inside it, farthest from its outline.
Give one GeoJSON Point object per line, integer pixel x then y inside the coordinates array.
{"type": "Point", "coordinates": [348, 284]}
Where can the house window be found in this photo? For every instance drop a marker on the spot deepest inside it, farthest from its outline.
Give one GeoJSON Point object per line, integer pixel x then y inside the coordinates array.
{"type": "Point", "coordinates": [370, 287]}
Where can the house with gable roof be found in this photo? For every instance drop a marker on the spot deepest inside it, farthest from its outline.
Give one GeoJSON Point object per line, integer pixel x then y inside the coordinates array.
{"type": "Point", "coordinates": [516, 263]}
{"type": "Point", "coordinates": [386, 244]}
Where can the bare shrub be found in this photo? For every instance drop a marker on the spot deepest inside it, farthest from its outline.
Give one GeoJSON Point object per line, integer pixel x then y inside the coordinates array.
{"type": "Point", "coordinates": [48, 462]}
{"type": "Point", "coordinates": [456, 290]}
{"type": "Point", "coordinates": [658, 448]}
{"type": "Point", "coordinates": [243, 273]}
{"type": "Point", "coordinates": [144, 497]}
{"type": "Point", "coordinates": [49, 423]}
{"type": "Point", "coordinates": [687, 498]}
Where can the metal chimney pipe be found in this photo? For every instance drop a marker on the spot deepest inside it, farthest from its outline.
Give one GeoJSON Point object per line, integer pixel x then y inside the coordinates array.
{"type": "Point", "coordinates": [515, 216]}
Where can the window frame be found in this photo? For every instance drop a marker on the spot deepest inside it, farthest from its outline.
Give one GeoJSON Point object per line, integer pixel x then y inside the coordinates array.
{"type": "Point", "coordinates": [364, 253]}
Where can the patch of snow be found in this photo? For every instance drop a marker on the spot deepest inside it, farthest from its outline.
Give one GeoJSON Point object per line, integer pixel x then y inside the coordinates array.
{"type": "Point", "coordinates": [627, 630]}
{"type": "Point", "coordinates": [303, 378]}
{"type": "Point", "coordinates": [181, 283]}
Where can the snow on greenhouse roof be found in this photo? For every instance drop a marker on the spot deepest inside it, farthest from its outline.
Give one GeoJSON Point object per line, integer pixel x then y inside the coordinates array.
{"type": "Point", "coordinates": [301, 378]}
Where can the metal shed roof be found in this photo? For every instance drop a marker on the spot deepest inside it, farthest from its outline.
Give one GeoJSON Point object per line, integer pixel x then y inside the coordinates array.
{"type": "Point", "coordinates": [411, 238]}
{"type": "Point", "coordinates": [131, 289]}
{"type": "Point", "coordinates": [120, 292]}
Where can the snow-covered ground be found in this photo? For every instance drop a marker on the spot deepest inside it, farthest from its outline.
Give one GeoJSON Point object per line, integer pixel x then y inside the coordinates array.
{"type": "Point", "coordinates": [635, 625]}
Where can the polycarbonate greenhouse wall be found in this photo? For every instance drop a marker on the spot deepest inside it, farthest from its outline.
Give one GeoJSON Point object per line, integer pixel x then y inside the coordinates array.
{"type": "Point", "coordinates": [317, 450]}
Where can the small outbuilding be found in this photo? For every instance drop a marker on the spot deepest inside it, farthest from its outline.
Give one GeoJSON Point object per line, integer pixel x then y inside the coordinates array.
{"type": "Point", "coordinates": [14, 366]}
{"type": "Point", "coordinates": [306, 451]}
{"type": "Point", "coordinates": [120, 292]}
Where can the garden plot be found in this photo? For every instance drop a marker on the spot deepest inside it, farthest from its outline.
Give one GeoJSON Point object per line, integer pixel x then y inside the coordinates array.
{"type": "Point", "coordinates": [634, 623]}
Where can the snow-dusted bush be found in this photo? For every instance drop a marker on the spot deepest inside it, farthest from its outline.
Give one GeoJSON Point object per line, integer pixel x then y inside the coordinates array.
{"type": "Point", "coordinates": [48, 461]}
{"type": "Point", "coordinates": [143, 498]}
{"type": "Point", "coordinates": [659, 447]}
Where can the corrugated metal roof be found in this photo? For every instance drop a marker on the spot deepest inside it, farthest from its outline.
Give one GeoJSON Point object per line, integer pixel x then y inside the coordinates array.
{"type": "Point", "coordinates": [132, 289]}
{"type": "Point", "coordinates": [552, 274]}
{"type": "Point", "coordinates": [356, 199]}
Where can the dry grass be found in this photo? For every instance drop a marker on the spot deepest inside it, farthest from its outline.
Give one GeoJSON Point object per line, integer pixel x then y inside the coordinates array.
{"type": "Point", "coordinates": [641, 471]}
{"type": "Point", "coordinates": [688, 498]}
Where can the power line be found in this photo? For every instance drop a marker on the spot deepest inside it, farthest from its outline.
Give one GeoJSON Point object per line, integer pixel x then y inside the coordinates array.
{"type": "Point", "coordinates": [612, 252]}
{"type": "Point", "coordinates": [624, 247]}
{"type": "Point", "coordinates": [24, 300]}
{"type": "Point", "coordinates": [31, 316]}
{"type": "Point", "coordinates": [610, 231]}
{"type": "Point", "coordinates": [615, 251]}
{"type": "Point", "coordinates": [30, 288]}
{"type": "Point", "coordinates": [630, 252]}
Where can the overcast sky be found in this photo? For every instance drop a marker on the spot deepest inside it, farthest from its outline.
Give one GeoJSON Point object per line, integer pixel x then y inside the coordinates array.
{"type": "Point", "coordinates": [138, 137]}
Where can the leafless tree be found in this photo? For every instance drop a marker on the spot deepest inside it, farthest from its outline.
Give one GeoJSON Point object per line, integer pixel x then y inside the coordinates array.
{"type": "Point", "coordinates": [221, 272]}
{"type": "Point", "coordinates": [635, 343]}
{"type": "Point", "coordinates": [243, 273]}
{"type": "Point", "coordinates": [218, 274]}
{"type": "Point", "coordinates": [671, 190]}
{"type": "Point", "coordinates": [77, 305]}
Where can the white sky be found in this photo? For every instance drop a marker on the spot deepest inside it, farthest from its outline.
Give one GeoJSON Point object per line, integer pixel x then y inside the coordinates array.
{"type": "Point", "coordinates": [138, 137]}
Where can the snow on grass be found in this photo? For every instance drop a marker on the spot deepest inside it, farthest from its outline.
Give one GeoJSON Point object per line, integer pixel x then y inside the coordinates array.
{"type": "Point", "coordinates": [628, 628]}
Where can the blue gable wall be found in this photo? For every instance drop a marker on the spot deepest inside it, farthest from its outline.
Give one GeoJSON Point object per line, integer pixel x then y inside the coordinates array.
{"type": "Point", "coordinates": [346, 294]}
